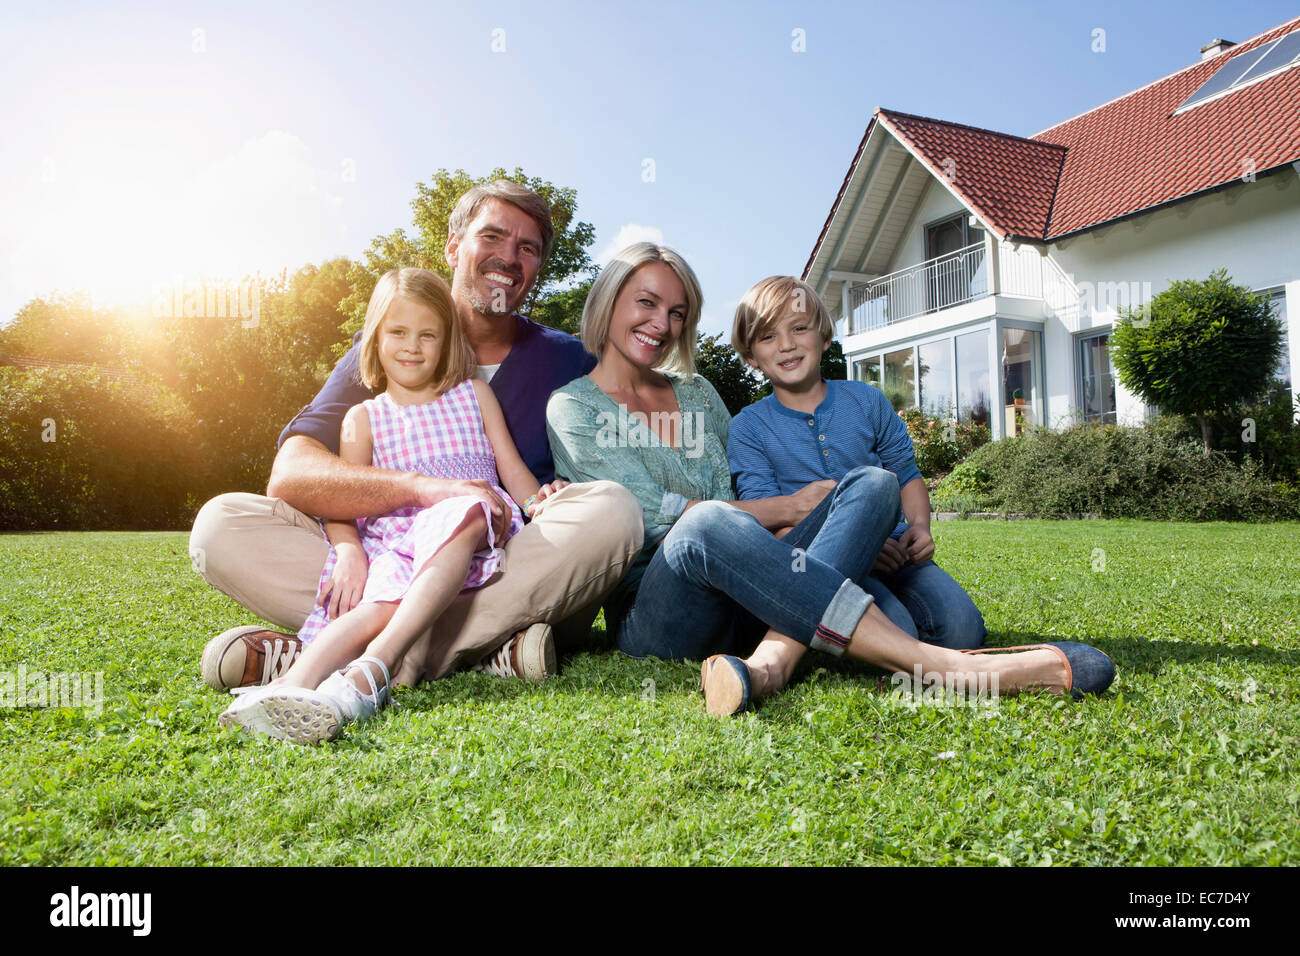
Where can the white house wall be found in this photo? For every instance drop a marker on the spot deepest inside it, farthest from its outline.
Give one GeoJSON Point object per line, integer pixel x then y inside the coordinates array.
{"type": "Point", "coordinates": [937, 203]}
{"type": "Point", "coordinates": [1252, 230]}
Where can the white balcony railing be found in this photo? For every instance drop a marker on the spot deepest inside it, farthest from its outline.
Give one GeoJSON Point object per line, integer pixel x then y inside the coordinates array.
{"type": "Point", "coordinates": [945, 282]}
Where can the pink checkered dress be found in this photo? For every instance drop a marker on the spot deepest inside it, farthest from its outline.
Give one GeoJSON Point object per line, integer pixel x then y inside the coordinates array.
{"type": "Point", "coordinates": [443, 439]}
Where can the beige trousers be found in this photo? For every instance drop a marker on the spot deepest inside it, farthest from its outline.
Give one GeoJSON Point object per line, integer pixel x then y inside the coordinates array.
{"type": "Point", "coordinates": [268, 557]}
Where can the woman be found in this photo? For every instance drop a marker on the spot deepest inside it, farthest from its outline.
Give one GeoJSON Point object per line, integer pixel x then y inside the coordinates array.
{"type": "Point", "coordinates": [712, 575]}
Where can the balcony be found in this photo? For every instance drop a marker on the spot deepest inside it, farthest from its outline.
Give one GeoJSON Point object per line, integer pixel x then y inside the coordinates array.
{"type": "Point", "coordinates": [952, 280]}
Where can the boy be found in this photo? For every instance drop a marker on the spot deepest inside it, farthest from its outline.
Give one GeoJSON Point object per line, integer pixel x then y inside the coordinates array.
{"type": "Point", "coordinates": [809, 429]}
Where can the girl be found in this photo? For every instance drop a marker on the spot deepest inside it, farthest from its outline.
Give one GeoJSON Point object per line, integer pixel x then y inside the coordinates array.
{"type": "Point", "coordinates": [432, 418]}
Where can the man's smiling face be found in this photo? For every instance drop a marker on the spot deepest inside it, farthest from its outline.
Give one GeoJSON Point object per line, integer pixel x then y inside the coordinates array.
{"type": "Point", "coordinates": [495, 263]}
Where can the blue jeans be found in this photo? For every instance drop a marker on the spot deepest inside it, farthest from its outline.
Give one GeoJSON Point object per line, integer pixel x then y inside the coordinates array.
{"type": "Point", "coordinates": [924, 601]}
{"type": "Point", "coordinates": [720, 578]}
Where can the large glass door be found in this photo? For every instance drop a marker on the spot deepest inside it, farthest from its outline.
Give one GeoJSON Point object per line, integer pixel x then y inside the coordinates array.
{"type": "Point", "coordinates": [900, 377]}
{"type": "Point", "coordinates": [974, 384]}
{"type": "Point", "coordinates": [1019, 378]}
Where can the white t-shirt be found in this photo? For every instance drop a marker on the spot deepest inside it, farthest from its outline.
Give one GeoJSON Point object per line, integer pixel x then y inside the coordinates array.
{"type": "Point", "coordinates": [485, 372]}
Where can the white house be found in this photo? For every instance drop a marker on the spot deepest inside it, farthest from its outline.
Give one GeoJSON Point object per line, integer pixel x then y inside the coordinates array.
{"type": "Point", "coordinates": [963, 264]}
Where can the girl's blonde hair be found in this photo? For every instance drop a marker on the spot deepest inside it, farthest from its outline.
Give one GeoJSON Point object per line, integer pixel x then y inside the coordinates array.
{"type": "Point", "coordinates": [772, 300]}
{"type": "Point", "coordinates": [598, 311]}
{"type": "Point", "coordinates": [455, 357]}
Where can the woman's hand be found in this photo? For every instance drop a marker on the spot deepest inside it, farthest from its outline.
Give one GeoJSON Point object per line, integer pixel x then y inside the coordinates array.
{"type": "Point", "coordinates": [347, 582]}
{"type": "Point", "coordinates": [544, 492]}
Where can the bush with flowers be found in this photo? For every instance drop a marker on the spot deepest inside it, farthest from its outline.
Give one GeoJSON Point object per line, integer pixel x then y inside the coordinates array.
{"type": "Point", "coordinates": [940, 441]}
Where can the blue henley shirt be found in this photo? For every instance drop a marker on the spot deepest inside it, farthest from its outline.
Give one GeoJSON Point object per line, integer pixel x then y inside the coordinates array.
{"type": "Point", "coordinates": [775, 450]}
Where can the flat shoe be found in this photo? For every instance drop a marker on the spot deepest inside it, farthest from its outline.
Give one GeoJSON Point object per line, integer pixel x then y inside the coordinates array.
{"type": "Point", "coordinates": [725, 682]}
{"type": "Point", "coordinates": [293, 714]}
{"type": "Point", "coordinates": [1087, 670]}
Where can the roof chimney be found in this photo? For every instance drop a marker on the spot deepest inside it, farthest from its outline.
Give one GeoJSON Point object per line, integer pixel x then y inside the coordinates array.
{"type": "Point", "coordinates": [1215, 47]}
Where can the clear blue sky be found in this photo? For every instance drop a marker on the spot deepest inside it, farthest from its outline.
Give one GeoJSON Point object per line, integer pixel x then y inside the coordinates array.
{"type": "Point", "coordinates": [219, 135]}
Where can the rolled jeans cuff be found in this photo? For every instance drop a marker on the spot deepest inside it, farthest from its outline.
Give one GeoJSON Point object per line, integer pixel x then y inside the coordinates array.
{"type": "Point", "coordinates": [841, 617]}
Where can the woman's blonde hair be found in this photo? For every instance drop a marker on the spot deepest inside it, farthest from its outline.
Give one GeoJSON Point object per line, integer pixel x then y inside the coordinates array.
{"type": "Point", "coordinates": [599, 310]}
{"type": "Point", "coordinates": [455, 357]}
{"type": "Point", "coordinates": [772, 300]}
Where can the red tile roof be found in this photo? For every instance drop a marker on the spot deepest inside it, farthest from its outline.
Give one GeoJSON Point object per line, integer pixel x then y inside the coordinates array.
{"type": "Point", "coordinates": [1011, 179]}
{"type": "Point", "coordinates": [1133, 153]}
{"type": "Point", "coordinates": [1119, 158]}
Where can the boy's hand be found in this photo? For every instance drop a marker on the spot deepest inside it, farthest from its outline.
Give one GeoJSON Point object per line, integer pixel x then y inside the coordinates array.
{"type": "Point", "coordinates": [892, 557]}
{"type": "Point", "coordinates": [918, 543]}
{"type": "Point", "coordinates": [347, 581]}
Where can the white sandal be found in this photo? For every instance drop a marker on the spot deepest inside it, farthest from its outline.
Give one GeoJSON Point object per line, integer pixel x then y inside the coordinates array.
{"type": "Point", "coordinates": [304, 716]}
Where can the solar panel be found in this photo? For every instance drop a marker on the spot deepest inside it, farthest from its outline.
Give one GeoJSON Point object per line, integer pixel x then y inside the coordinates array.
{"type": "Point", "coordinates": [1283, 52]}
{"type": "Point", "coordinates": [1246, 67]}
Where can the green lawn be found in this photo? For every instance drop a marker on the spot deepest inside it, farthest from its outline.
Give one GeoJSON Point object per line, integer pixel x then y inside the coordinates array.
{"type": "Point", "coordinates": [1190, 759]}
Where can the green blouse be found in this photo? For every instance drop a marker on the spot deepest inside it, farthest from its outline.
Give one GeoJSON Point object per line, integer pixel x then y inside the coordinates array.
{"type": "Point", "coordinates": [594, 438]}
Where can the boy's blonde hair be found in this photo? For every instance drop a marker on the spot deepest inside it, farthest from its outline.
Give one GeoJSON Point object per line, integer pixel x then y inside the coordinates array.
{"type": "Point", "coordinates": [772, 300]}
{"type": "Point", "coordinates": [455, 357]}
{"type": "Point", "coordinates": [599, 310]}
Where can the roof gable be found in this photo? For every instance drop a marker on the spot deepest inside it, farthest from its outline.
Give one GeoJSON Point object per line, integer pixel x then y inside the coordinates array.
{"type": "Point", "coordinates": [1007, 181]}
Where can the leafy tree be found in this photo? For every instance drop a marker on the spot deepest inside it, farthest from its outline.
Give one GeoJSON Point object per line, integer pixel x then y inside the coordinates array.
{"type": "Point", "coordinates": [833, 363]}
{"type": "Point", "coordinates": [726, 371]}
{"type": "Point", "coordinates": [70, 329]}
{"type": "Point", "coordinates": [568, 269]}
{"type": "Point", "coordinates": [563, 310]}
{"type": "Point", "coordinates": [1198, 348]}
{"type": "Point", "coordinates": [244, 381]}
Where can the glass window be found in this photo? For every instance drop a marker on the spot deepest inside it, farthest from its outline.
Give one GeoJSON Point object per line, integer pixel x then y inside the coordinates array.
{"type": "Point", "coordinates": [1018, 380]}
{"type": "Point", "coordinates": [1017, 365]}
{"type": "Point", "coordinates": [974, 386]}
{"type": "Point", "coordinates": [867, 370]}
{"type": "Point", "coordinates": [1283, 371]}
{"type": "Point", "coordinates": [900, 378]}
{"type": "Point", "coordinates": [1096, 381]}
{"type": "Point", "coordinates": [936, 379]}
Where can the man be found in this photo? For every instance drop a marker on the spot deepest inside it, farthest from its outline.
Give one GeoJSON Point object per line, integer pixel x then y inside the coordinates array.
{"type": "Point", "coordinates": [267, 552]}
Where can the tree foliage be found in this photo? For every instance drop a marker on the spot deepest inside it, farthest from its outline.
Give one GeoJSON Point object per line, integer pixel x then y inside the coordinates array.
{"type": "Point", "coordinates": [1198, 348]}
{"type": "Point", "coordinates": [568, 268]}
{"type": "Point", "coordinates": [726, 371]}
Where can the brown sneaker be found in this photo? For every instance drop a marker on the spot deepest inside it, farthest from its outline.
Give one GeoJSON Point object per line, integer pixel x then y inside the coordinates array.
{"type": "Point", "coordinates": [528, 655]}
{"type": "Point", "coordinates": [248, 656]}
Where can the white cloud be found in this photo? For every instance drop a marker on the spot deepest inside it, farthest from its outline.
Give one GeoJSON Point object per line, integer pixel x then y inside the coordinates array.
{"type": "Point", "coordinates": [628, 234]}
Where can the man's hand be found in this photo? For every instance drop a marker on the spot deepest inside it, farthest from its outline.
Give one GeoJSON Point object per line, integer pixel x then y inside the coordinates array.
{"type": "Point", "coordinates": [892, 557]}
{"type": "Point", "coordinates": [477, 488]}
{"type": "Point", "coordinates": [347, 581]}
{"type": "Point", "coordinates": [807, 498]}
{"type": "Point", "coordinates": [918, 543]}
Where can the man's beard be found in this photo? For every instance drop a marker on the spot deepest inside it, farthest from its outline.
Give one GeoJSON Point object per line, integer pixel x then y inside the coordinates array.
{"type": "Point", "coordinates": [482, 304]}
